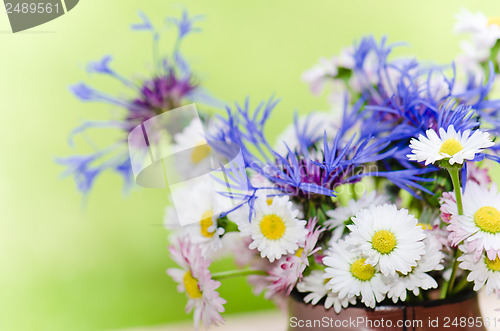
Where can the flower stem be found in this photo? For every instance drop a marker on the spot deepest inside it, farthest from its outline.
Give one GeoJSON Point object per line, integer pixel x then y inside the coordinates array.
{"type": "Point", "coordinates": [448, 286]}
{"type": "Point", "coordinates": [237, 273]}
{"type": "Point", "coordinates": [460, 286]}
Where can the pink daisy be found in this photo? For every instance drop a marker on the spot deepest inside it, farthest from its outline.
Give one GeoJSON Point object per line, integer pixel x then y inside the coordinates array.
{"type": "Point", "coordinates": [196, 281]}
{"type": "Point", "coordinates": [478, 175]}
{"type": "Point", "coordinates": [285, 275]}
{"type": "Point", "coordinates": [479, 226]}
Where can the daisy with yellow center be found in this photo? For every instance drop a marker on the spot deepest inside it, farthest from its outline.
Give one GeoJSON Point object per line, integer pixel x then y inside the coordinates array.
{"type": "Point", "coordinates": [192, 151]}
{"type": "Point", "coordinates": [450, 146]}
{"type": "Point", "coordinates": [194, 279]}
{"type": "Point", "coordinates": [204, 229]}
{"type": "Point", "coordinates": [275, 229]}
{"type": "Point", "coordinates": [350, 275]}
{"type": "Point", "coordinates": [484, 272]}
{"type": "Point", "coordinates": [480, 223]}
{"type": "Point", "coordinates": [315, 283]}
{"type": "Point", "coordinates": [389, 238]}
{"type": "Point", "coordinates": [418, 278]}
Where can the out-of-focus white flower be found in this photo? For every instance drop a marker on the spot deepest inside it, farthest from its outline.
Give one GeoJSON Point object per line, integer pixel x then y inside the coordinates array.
{"type": "Point", "coordinates": [205, 232]}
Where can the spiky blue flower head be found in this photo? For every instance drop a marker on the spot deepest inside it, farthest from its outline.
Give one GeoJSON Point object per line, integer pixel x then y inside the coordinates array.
{"type": "Point", "coordinates": [315, 168]}
{"type": "Point", "coordinates": [170, 85]}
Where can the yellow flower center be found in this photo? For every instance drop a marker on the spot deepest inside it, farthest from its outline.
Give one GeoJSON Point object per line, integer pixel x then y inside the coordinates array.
{"type": "Point", "coordinates": [206, 222]}
{"type": "Point", "coordinates": [494, 21]}
{"type": "Point", "coordinates": [272, 227]}
{"type": "Point", "coordinates": [199, 153]}
{"type": "Point", "coordinates": [327, 280]}
{"type": "Point", "coordinates": [451, 146]}
{"type": "Point", "coordinates": [383, 241]}
{"type": "Point", "coordinates": [493, 265]}
{"type": "Point", "coordinates": [269, 201]}
{"type": "Point", "coordinates": [299, 252]}
{"type": "Point", "coordinates": [191, 286]}
{"type": "Point", "coordinates": [425, 226]}
{"type": "Point", "coordinates": [488, 219]}
{"type": "Point", "coordinates": [362, 271]}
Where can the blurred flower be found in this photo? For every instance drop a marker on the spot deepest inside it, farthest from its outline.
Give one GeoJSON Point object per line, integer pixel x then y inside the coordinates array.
{"type": "Point", "coordinates": [206, 233]}
{"type": "Point", "coordinates": [170, 85]}
{"type": "Point", "coordinates": [196, 281]}
{"type": "Point", "coordinates": [389, 238]}
{"type": "Point", "coordinates": [478, 175]}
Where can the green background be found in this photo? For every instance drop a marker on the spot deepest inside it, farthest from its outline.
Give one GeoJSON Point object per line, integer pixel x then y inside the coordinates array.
{"type": "Point", "coordinates": [65, 266]}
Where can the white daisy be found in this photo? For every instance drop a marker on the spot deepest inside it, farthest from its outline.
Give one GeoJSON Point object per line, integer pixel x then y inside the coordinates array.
{"type": "Point", "coordinates": [388, 238]}
{"type": "Point", "coordinates": [198, 156]}
{"type": "Point", "coordinates": [275, 229]}
{"type": "Point", "coordinates": [204, 232]}
{"type": "Point", "coordinates": [418, 278]}
{"type": "Point", "coordinates": [484, 32]}
{"type": "Point", "coordinates": [455, 147]}
{"type": "Point", "coordinates": [351, 276]}
{"type": "Point", "coordinates": [194, 279]}
{"type": "Point", "coordinates": [479, 225]}
{"type": "Point", "coordinates": [483, 272]}
{"type": "Point", "coordinates": [341, 215]}
{"type": "Point", "coordinates": [267, 191]}
{"type": "Point", "coordinates": [315, 284]}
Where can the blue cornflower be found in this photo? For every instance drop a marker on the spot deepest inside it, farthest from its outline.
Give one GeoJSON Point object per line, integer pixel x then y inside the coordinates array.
{"type": "Point", "coordinates": [171, 85]}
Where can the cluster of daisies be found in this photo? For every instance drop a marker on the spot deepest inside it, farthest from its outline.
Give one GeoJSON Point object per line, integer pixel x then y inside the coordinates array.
{"type": "Point", "coordinates": [385, 198]}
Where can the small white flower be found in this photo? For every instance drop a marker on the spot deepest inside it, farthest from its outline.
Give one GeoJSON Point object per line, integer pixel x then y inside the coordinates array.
{"type": "Point", "coordinates": [456, 147]}
{"type": "Point", "coordinates": [388, 238]}
{"type": "Point", "coordinates": [483, 272]}
{"type": "Point", "coordinates": [418, 278]}
{"type": "Point", "coordinates": [315, 284]}
{"type": "Point", "coordinates": [194, 279]}
{"type": "Point", "coordinates": [275, 229]}
{"type": "Point", "coordinates": [467, 21]}
{"type": "Point", "coordinates": [205, 232]}
{"type": "Point", "coordinates": [198, 158]}
{"type": "Point", "coordinates": [317, 75]}
{"type": "Point", "coordinates": [350, 276]}
{"type": "Point", "coordinates": [340, 215]}
{"type": "Point", "coordinates": [479, 225]}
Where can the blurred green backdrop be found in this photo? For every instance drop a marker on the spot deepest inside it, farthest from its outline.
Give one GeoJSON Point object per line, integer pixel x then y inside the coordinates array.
{"type": "Point", "coordinates": [68, 267]}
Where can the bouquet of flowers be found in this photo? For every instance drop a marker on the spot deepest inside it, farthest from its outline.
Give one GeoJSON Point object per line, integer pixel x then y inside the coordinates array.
{"type": "Point", "coordinates": [386, 197]}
